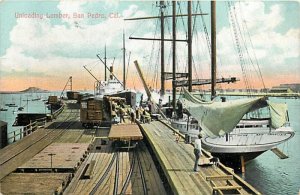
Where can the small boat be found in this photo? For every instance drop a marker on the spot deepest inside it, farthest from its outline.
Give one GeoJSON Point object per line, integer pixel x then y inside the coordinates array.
{"type": "Point", "coordinates": [11, 105]}
{"type": "Point", "coordinates": [36, 99]}
{"type": "Point", "coordinates": [3, 109]}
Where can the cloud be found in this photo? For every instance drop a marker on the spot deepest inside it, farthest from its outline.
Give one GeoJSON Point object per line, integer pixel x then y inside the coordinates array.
{"type": "Point", "coordinates": [38, 45]}
{"type": "Point", "coordinates": [61, 49]}
{"type": "Point", "coordinates": [273, 49]}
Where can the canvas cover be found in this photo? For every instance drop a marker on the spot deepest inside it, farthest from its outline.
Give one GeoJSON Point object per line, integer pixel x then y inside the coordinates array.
{"type": "Point", "coordinates": [218, 118]}
{"type": "Point", "coordinates": [278, 112]}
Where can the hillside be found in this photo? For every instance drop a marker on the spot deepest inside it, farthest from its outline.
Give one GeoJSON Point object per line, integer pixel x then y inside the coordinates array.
{"type": "Point", "coordinates": [34, 90]}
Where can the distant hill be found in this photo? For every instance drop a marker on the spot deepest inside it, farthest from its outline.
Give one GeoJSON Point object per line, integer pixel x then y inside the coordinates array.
{"type": "Point", "coordinates": [34, 90]}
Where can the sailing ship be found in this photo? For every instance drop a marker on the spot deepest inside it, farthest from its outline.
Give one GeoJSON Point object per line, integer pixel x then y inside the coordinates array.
{"type": "Point", "coordinates": [227, 132]}
{"type": "Point", "coordinates": [233, 134]}
{"type": "Point", "coordinates": [230, 133]}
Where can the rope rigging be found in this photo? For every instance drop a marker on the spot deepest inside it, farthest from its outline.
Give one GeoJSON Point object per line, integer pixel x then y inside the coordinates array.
{"type": "Point", "coordinates": [233, 22]}
{"type": "Point", "coordinates": [245, 27]}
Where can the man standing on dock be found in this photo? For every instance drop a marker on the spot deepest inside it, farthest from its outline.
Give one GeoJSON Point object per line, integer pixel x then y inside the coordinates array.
{"type": "Point", "coordinates": [197, 151]}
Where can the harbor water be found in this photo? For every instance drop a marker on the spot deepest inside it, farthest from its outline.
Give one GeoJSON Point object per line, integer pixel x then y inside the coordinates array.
{"type": "Point", "coordinates": [267, 173]}
{"type": "Point", "coordinates": [31, 102]}
{"type": "Point", "coordinates": [271, 175]}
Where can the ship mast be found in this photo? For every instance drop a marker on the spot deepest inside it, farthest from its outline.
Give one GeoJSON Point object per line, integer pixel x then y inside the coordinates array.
{"type": "Point", "coordinates": [213, 50]}
{"type": "Point", "coordinates": [189, 41]}
{"type": "Point", "coordinates": [105, 76]}
{"type": "Point", "coordinates": [162, 50]}
{"type": "Point", "coordinates": [124, 62]}
{"type": "Point", "coordinates": [174, 54]}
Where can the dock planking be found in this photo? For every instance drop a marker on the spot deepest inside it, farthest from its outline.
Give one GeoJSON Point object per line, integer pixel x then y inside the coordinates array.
{"type": "Point", "coordinates": [23, 150]}
{"type": "Point", "coordinates": [177, 159]}
{"type": "Point", "coordinates": [103, 156]}
{"type": "Point", "coordinates": [64, 156]}
{"type": "Point", "coordinates": [67, 130]}
{"type": "Point", "coordinates": [35, 183]}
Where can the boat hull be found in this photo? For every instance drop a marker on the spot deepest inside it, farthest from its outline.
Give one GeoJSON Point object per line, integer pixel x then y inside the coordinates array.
{"type": "Point", "coordinates": [234, 159]}
{"type": "Point", "coordinates": [247, 145]}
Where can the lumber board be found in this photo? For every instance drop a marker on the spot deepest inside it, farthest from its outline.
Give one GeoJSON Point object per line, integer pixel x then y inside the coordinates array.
{"type": "Point", "coordinates": [125, 132]}
{"type": "Point", "coordinates": [227, 187]}
{"type": "Point", "coordinates": [219, 177]}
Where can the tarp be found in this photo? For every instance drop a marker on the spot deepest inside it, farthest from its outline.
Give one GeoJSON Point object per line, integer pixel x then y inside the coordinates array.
{"type": "Point", "coordinates": [218, 118]}
{"type": "Point", "coordinates": [278, 112]}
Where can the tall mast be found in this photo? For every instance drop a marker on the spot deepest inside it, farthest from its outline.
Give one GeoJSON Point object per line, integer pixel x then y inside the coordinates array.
{"type": "Point", "coordinates": [190, 69]}
{"type": "Point", "coordinates": [124, 62]}
{"type": "Point", "coordinates": [162, 50]}
{"type": "Point", "coordinates": [174, 53]}
{"type": "Point", "coordinates": [213, 49]}
{"type": "Point", "coordinates": [105, 76]}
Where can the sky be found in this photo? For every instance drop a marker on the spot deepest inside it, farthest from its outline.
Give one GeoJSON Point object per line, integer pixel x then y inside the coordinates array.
{"type": "Point", "coordinates": [42, 43]}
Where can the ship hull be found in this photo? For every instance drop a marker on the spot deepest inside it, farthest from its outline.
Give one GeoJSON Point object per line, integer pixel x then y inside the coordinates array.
{"type": "Point", "coordinates": [248, 145]}
{"type": "Point", "coordinates": [234, 159]}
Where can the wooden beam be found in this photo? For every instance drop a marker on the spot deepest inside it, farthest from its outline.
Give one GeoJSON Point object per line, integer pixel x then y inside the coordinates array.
{"type": "Point", "coordinates": [227, 187]}
{"type": "Point", "coordinates": [156, 39]}
{"type": "Point", "coordinates": [219, 177]}
{"type": "Point", "coordinates": [279, 153]}
{"type": "Point", "coordinates": [166, 16]}
{"type": "Point", "coordinates": [243, 164]}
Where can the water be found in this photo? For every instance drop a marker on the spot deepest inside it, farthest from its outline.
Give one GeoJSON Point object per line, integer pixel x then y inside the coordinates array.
{"type": "Point", "coordinates": [271, 175]}
{"type": "Point", "coordinates": [24, 100]}
{"type": "Point", "coordinates": [267, 173]}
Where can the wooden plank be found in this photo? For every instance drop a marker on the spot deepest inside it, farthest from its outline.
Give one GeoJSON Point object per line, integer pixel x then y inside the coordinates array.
{"type": "Point", "coordinates": [125, 132]}
{"type": "Point", "coordinates": [34, 183]}
{"type": "Point", "coordinates": [212, 170]}
{"type": "Point", "coordinates": [279, 153]}
{"type": "Point", "coordinates": [219, 177]}
{"type": "Point", "coordinates": [227, 187]}
{"type": "Point", "coordinates": [218, 190]}
{"type": "Point", "coordinates": [153, 181]}
{"type": "Point", "coordinates": [170, 154]}
{"type": "Point", "coordinates": [89, 172]}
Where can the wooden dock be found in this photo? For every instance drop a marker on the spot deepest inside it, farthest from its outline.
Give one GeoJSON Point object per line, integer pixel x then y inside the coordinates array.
{"type": "Point", "coordinates": [57, 157]}
{"type": "Point", "coordinates": [24, 155]}
{"type": "Point", "coordinates": [84, 161]}
{"type": "Point", "coordinates": [26, 165]}
{"type": "Point", "coordinates": [119, 172]}
{"type": "Point", "coordinates": [177, 162]}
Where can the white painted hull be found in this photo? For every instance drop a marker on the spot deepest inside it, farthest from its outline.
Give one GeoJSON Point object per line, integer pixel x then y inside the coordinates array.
{"type": "Point", "coordinates": [248, 140]}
